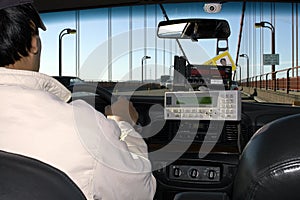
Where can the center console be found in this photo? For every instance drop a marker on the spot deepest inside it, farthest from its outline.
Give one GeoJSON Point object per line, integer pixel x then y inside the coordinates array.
{"type": "Point", "coordinates": [210, 123]}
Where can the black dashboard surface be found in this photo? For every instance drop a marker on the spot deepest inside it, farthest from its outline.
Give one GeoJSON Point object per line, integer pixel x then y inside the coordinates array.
{"type": "Point", "coordinates": [188, 162]}
{"type": "Point", "coordinates": [193, 170]}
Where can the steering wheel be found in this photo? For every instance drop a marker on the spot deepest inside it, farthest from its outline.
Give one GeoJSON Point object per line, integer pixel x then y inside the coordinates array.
{"type": "Point", "coordinates": [101, 93]}
{"type": "Point", "coordinates": [96, 90]}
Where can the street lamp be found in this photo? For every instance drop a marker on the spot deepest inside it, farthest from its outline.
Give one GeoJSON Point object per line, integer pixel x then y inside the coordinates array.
{"type": "Point", "coordinates": [246, 56]}
{"type": "Point", "coordinates": [144, 58]}
{"type": "Point", "coordinates": [170, 70]}
{"type": "Point", "coordinates": [61, 35]}
{"type": "Point", "coordinates": [265, 24]}
{"type": "Point", "coordinates": [240, 74]}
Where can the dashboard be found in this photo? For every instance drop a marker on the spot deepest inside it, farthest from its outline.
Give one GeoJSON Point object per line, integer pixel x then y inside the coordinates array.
{"type": "Point", "coordinates": [194, 153]}
{"type": "Point", "coordinates": [199, 155]}
{"type": "Point", "coordinates": [189, 153]}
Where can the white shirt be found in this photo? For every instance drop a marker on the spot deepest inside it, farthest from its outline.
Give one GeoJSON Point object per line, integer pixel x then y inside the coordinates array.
{"type": "Point", "coordinates": [107, 160]}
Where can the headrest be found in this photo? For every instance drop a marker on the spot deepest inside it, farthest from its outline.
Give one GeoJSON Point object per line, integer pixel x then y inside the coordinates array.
{"type": "Point", "coordinates": [269, 166]}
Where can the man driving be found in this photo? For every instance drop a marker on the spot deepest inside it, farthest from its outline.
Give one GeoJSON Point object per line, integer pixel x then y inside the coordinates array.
{"type": "Point", "coordinates": [104, 156]}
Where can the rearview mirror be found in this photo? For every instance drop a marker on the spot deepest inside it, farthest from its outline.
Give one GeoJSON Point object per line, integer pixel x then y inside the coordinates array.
{"type": "Point", "coordinates": [194, 29]}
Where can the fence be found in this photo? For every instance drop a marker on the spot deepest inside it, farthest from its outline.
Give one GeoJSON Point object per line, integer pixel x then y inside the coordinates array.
{"type": "Point", "coordinates": [278, 80]}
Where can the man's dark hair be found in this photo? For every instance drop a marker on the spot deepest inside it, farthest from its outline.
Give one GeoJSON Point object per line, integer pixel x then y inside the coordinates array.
{"type": "Point", "coordinates": [17, 26]}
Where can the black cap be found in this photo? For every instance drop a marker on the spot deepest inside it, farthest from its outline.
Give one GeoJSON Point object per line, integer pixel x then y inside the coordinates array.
{"type": "Point", "coordinates": [11, 3]}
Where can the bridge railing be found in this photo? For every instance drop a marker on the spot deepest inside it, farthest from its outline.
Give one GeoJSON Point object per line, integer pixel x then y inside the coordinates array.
{"type": "Point", "coordinates": [282, 80]}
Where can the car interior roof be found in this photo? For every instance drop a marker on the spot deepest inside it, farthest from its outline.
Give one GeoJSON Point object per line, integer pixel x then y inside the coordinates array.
{"type": "Point", "coordinates": [58, 5]}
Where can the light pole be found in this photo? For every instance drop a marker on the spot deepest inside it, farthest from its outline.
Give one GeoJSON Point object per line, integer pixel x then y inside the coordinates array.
{"type": "Point", "coordinates": [61, 35]}
{"type": "Point", "coordinates": [265, 24]}
{"type": "Point", "coordinates": [246, 56]}
{"type": "Point", "coordinates": [144, 58]}
{"type": "Point", "coordinates": [170, 70]}
{"type": "Point", "coordinates": [240, 74]}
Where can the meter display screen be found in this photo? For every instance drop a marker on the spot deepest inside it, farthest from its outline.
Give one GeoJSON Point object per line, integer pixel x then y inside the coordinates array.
{"type": "Point", "coordinates": [194, 101]}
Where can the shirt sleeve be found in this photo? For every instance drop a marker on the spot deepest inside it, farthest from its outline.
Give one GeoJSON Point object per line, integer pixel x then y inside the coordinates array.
{"type": "Point", "coordinates": [136, 186]}
{"type": "Point", "coordinates": [122, 169]}
{"type": "Point", "coordinates": [135, 143]}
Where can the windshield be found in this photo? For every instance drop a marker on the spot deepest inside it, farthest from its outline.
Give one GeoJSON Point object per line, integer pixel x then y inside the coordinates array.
{"type": "Point", "coordinates": [120, 44]}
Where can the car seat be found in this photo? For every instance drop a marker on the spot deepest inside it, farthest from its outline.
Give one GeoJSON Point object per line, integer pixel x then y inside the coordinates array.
{"type": "Point", "coordinates": [269, 166]}
{"type": "Point", "coordinates": [24, 178]}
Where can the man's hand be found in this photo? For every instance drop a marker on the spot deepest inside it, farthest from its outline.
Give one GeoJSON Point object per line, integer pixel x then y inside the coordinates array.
{"type": "Point", "coordinates": [122, 110]}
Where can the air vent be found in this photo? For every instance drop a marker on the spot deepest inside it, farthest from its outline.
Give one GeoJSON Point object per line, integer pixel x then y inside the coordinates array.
{"type": "Point", "coordinates": [152, 134]}
{"type": "Point", "coordinates": [246, 132]}
{"type": "Point", "coordinates": [231, 132]}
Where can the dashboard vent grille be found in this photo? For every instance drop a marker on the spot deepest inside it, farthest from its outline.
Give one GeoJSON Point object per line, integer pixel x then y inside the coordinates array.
{"type": "Point", "coordinates": [231, 132]}
{"type": "Point", "coordinates": [155, 135]}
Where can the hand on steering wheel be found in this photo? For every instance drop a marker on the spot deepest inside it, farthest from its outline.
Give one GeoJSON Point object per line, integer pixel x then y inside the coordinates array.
{"type": "Point", "coordinates": [122, 110]}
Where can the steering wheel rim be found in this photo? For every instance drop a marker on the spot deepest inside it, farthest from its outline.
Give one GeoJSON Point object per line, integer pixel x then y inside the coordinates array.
{"type": "Point", "coordinates": [103, 93]}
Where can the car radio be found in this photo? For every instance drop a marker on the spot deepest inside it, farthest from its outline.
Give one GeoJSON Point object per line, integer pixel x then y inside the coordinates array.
{"type": "Point", "coordinates": [203, 105]}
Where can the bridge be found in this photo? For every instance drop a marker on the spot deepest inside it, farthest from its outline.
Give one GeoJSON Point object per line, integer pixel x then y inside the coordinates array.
{"type": "Point", "coordinates": [267, 56]}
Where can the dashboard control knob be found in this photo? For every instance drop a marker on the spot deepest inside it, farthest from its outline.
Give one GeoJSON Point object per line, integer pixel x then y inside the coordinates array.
{"type": "Point", "coordinates": [194, 173]}
{"type": "Point", "coordinates": [177, 172]}
{"type": "Point", "coordinates": [211, 174]}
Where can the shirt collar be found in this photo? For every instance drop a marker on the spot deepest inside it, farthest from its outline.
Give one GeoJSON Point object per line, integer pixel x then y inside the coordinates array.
{"type": "Point", "coordinates": [34, 80]}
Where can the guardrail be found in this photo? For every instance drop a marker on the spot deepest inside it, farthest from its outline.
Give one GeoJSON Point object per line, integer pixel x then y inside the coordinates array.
{"type": "Point", "coordinates": [278, 80]}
